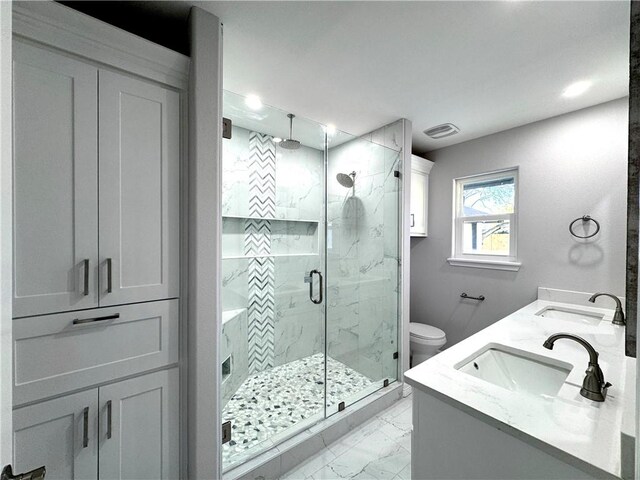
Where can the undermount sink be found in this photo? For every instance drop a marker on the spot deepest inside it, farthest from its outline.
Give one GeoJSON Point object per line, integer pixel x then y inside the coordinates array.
{"type": "Point", "coordinates": [574, 315]}
{"type": "Point", "coordinates": [517, 370]}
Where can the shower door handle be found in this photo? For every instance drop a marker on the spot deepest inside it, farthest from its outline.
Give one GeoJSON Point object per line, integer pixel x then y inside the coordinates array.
{"type": "Point", "coordinates": [310, 277]}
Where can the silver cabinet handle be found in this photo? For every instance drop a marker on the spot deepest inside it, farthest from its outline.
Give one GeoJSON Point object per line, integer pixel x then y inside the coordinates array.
{"type": "Point", "coordinates": [109, 419]}
{"type": "Point", "coordinates": [85, 431]}
{"type": "Point", "coordinates": [319, 299]}
{"type": "Point", "coordinates": [85, 288]}
{"type": "Point", "coordinates": [413, 220]}
{"type": "Point", "coordinates": [83, 321]}
{"type": "Point", "coordinates": [109, 276]}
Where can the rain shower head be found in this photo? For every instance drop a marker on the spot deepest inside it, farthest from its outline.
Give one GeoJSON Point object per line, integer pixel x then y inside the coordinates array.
{"type": "Point", "coordinates": [290, 143]}
{"type": "Point", "coordinates": [346, 180]}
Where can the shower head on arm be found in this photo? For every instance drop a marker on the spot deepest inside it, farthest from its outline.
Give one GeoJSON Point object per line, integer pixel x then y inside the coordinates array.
{"type": "Point", "coordinates": [290, 143]}
{"type": "Point", "coordinates": [345, 180]}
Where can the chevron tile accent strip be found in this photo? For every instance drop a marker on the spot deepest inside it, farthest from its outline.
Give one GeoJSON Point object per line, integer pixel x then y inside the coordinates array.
{"type": "Point", "coordinates": [262, 175]}
{"type": "Point", "coordinates": [257, 237]}
{"type": "Point", "coordinates": [261, 314]}
{"type": "Point", "coordinates": [257, 241]}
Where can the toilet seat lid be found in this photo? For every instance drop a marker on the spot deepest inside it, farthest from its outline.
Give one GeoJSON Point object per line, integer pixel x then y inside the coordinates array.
{"type": "Point", "coordinates": [422, 330]}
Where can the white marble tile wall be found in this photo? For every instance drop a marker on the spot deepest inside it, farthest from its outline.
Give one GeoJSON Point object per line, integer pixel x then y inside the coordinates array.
{"type": "Point", "coordinates": [362, 265]}
{"type": "Point", "coordinates": [233, 343]}
{"type": "Point", "coordinates": [299, 180]}
{"type": "Point", "coordinates": [294, 238]}
{"type": "Point", "coordinates": [299, 183]}
{"type": "Point", "coordinates": [235, 173]}
{"type": "Point", "coordinates": [287, 237]}
{"type": "Point", "coordinates": [298, 323]}
{"type": "Point", "coordinates": [235, 283]}
{"type": "Point", "coordinates": [389, 136]}
{"type": "Point", "coordinates": [362, 258]}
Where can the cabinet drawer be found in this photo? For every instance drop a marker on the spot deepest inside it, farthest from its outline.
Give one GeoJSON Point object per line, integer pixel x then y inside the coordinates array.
{"type": "Point", "coordinates": [54, 354]}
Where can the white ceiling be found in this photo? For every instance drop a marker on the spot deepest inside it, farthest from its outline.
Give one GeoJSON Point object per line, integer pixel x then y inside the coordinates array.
{"type": "Point", "coordinates": [484, 66]}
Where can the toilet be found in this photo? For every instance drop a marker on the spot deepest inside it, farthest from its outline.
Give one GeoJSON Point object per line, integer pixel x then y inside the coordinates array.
{"type": "Point", "coordinates": [425, 341]}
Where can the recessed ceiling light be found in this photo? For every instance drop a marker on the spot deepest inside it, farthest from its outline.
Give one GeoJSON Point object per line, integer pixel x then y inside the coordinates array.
{"type": "Point", "coordinates": [253, 102]}
{"type": "Point", "coordinates": [577, 88]}
{"type": "Point", "coordinates": [277, 139]}
{"type": "Point", "coordinates": [331, 129]}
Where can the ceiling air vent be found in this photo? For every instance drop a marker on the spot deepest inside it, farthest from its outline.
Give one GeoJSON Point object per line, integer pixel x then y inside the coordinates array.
{"type": "Point", "coordinates": [441, 131]}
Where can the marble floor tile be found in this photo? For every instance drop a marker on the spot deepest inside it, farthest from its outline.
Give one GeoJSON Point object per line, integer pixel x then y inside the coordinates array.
{"type": "Point", "coordinates": [356, 436]}
{"type": "Point", "coordinates": [378, 449]}
{"type": "Point", "coordinates": [310, 466]}
{"type": "Point", "coordinates": [402, 421]}
{"type": "Point", "coordinates": [405, 473]}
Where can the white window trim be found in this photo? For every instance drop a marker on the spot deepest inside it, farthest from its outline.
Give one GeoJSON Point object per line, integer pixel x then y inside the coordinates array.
{"type": "Point", "coordinates": [495, 262]}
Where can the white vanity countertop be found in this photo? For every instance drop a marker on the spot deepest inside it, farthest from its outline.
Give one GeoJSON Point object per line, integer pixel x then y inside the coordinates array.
{"type": "Point", "coordinates": [577, 430]}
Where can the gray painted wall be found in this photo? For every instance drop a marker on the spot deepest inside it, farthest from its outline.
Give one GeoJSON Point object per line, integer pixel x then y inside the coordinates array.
{"type": "Point", "coordinates": [570, 165]}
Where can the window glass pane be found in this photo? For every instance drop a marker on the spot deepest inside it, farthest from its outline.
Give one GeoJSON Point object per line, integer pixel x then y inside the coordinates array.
{"type": "Point", "coordinates": [486, 238]}
{"type": "Point", "coordinates": [489, 197]}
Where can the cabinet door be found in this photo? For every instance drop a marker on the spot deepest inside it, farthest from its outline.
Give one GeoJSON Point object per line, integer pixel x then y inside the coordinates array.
{"type": "Point", "coordinates": [59, 435]}
{"type": "Point", "coordinates": [139, 190]}
{"type": "Point", "coordinates": [139, 428]}
{"type": "Point", "coordinates": [419, 185]}
{"type": "Point", "coordinates": [55, 182]}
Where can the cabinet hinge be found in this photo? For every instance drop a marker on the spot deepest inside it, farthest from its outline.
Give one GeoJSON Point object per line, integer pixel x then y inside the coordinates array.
{"type": "Point", "coordinates": [341, 406]}
{"type": "Point", "coordinates": [395, 355]}
{"type": "Point", "coordinates": [396, 173]}
{"type": "Point", "coordinates": [385, 383]}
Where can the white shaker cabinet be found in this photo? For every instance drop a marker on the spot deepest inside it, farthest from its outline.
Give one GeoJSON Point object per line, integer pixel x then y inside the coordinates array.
{"type": "Point", "coordinates": [96, 190]}
{"type": "Point", "coordinates": [60, 434]}
{"type": "Point", "coordinates": [55, 182]}
{"type": "Point", "coordinates": [97, 152]}
{"type": "Point", "coordinates": [420, 169]}
{"type": "Point", "coordinates": [125, 430]}
{"type": "Point", "coordinates": [139, 145]}
{"type": "Point", "coordinates": [139, 428]}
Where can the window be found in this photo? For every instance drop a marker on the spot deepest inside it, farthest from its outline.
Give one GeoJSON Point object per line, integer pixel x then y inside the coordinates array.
{"type": "Point", "coordinates": [484, 226]}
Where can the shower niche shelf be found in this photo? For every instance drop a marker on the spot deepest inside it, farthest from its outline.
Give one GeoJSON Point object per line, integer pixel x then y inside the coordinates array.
{"type": "Point", "coordinates": [273, 219]}
{"type": "Point", "coordinates": [270, 237]}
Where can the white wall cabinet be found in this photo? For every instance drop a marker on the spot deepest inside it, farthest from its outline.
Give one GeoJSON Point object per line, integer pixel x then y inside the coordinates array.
{"type": "Point", "coordinates": [55, 182]}
{"type": "Point", "coordinates": [64, 123]}
{"type": "Point", "coordinates": [126, 430]}
{"type": "Point", "coordinates": [97, 128]}
{"type": "Point", "coordinates": [420, 169]}
{"type": "Point", "coordinates": [139, 190]}
{"type": "Point", "coordinates": [60, 434]}
{"type": "Point", "coordinates": [139, 428]}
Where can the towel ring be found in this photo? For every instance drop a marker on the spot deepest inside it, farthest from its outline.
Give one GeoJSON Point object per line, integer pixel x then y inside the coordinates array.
{"type": "Point", "coordinates": [584, 218]}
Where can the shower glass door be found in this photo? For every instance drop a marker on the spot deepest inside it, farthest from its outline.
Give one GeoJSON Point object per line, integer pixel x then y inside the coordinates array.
{"type": "Point", "coordinates": [309, 274]}
{"type": "Point", "coordinates": [362, 240]}
{"type": "Point", "coordinates": [272, 348]}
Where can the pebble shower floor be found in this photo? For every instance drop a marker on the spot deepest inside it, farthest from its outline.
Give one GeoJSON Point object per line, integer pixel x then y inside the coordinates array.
{"type": "Point", "coordinates": [272, 401]}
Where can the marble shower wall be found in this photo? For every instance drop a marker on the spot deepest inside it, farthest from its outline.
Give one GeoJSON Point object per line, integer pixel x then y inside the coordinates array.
{"type": "Point", "coordinates": [234, 346]}
{"type": "Point", "coordinates": [362, 258]}
{"type": "Point", "coordinates": [362, 246]}
{"type": "Point", "coordinates": [265, 259]}
{"type": "Point", "coordinates": [299, 182]}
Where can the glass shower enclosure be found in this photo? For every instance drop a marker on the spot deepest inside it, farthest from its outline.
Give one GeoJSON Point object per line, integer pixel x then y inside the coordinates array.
{"type": "Point", "coordinates": [310, 257]}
